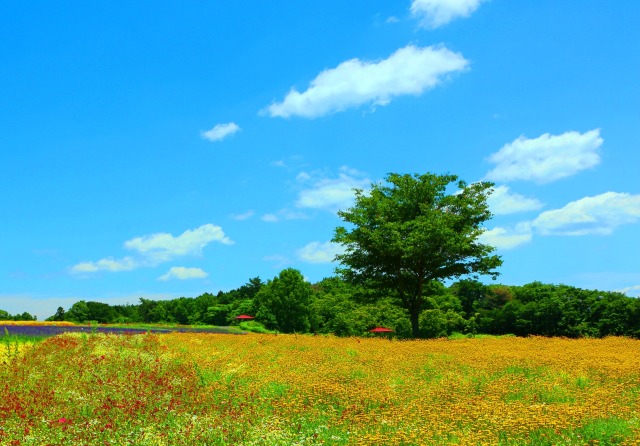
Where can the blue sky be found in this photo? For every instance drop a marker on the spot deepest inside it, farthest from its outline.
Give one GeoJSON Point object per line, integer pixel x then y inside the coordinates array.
{"type": "Point", "coordinates": [157, 149]}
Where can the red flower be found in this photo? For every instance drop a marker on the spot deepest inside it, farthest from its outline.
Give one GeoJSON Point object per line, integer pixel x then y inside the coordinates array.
{"type": "Point", "coordinates": [62, 420]}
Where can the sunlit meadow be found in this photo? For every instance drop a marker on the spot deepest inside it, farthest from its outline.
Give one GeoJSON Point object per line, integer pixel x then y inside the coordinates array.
{"type": "Point", "coordinates": [186, 388]}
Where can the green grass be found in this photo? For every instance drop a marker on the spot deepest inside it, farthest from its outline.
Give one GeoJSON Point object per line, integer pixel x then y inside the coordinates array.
{"type": "Point", "coordinates": [20, 339]}
{"type": "Point", "coordinates": [604, 431]}
{"type": "Point", "coordinates": [254, 327]}
{"type": "Point", "coordinates": [10, 345]}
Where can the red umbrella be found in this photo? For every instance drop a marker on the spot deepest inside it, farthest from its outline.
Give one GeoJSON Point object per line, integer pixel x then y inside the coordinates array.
{"type": "Point", "coordinates": [380, 330]}
{"type": "Point", "coordinates": [244, 317]}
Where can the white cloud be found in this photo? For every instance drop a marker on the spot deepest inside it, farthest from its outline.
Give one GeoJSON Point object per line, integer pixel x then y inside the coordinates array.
{"type": "Point", "coordinates": [546, 158]}
{"type": "Point", "coordinates": [507, 238]}
{"type": "Point", "coordinates": [283, 214]}
{"type": "Point", "coordinates": [599, 215]}
{"type": "Point", "coordinates": [502, 201]}
{"type": "Point", "coordinates": [288, 214]}
{"type": "Point", "coordinates": [409, 71]}
{"type": "Point", "coordinates": [270, 218]}
{"type": "Point", "coordinates": [162, 246]}
{"type": "Point", "coordinates": [183, 273]}
{"type": "Point", "coordinates": [220, 131]}
{"type": "Point", "coordinates": [316, 252]}
{"type": "Point", "coordinates": [435, 13]}
{"type": "Point", "coordinates": [631, 290]}
{"type": "Point", "coordinates": [333, 194]}
{"type": "Point", "coordinates": [158, 248]}
{"type": "Point", "coordinates": [243, 216]}
{"type": "Point", "coordinates": [107, 264]}
{"type": "Point", "coordinates": [302, 177]}
{"type": "Point", "coordinates": [289, 163]}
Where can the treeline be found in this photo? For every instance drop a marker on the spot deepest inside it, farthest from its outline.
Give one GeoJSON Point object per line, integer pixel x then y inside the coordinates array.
{"type": "Point", "coordinates": [5, 316]}
{"type": "Point", "coordinates": [288, 304]}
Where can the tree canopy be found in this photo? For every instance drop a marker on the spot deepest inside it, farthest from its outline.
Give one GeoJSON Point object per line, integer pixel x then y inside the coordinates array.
{"type": "Point", "coordinates": [466, 307]}
{"type": "Point", "coordinates": [284, 303]}
{"type": "Point", "coordinates": [5, 316]}
{"type": "Point", "coordinates": [413, 231]}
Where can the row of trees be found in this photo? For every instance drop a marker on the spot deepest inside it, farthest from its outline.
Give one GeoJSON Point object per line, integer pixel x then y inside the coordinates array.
{"type": "Point", "coordinates": [287, 303]}
{"type": "Point", "coordinates": [401, 241]}
{"type": "Point", "coordinates": [5, 316]}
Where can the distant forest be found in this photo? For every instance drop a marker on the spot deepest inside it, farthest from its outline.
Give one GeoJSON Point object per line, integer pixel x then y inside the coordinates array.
{"type": "Point", "coordinates": [289, 304]}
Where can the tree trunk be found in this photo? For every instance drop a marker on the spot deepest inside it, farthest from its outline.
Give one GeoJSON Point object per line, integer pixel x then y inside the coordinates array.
{"type": "Point", "coordinates": [414, 316]}
{"type": "Point", "coordinates": [416, 306]}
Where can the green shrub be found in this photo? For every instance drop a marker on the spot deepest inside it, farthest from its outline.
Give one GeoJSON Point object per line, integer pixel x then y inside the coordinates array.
{"type": "Point", "coordinates": [255, 327]}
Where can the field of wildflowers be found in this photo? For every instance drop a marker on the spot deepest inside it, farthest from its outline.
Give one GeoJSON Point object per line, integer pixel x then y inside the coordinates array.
{"type": "Point", "coordinates": [187, 388]}
{"type": "Point", "coordinates": [11, 350]}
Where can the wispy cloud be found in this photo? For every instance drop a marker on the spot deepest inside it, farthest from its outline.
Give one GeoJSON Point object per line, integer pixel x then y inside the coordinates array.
{"type": "Point", "coordinates": [283, 214]}
{"type": "Point", "coordinates": [157, 248]}
{"type": "Point", "coordinates": [546, 158]}
{"type": "Point", "coordinates": [220, 131]}
{"type": "Point", "coordinates": [244, 216]}
{"type": "Point", "coordinates": [331, 194]}
{"type": "Point", "coordinates": [502, 201]}
{"type": "Point", "coordinates": [316, 252]}
{"type": "Point", "coordinates": [631, 290]}
{"type": "Point", "coordinates": [183, 273]}
{"type": "Point", "coordinates": [270, 218]}
{"type": "Point", "coordinates": [107, 264]}
{"type": "Point", "coordinates": [291, 162]}
{"type": "Point", "coordinates": [597, 215]}
{"type": "Point", "coordinates": [278, 260]}
{"type": "Point", "coordinates": [507, 238]}
{"type": "Point", "coordinates": [435, 13]}
{"type": "Point", "coordinates": [409, 71]}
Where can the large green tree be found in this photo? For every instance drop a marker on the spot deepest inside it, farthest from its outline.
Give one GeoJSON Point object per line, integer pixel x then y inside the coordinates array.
{"type": "Point", "coordinates": [285, 303]}
{"type": "Point", "coordinates": [414, 230]}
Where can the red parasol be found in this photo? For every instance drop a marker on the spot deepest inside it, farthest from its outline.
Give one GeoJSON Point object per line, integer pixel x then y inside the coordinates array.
{"type": "Point", "coordinates": [380, 330]}
{"type": "Point", "coordinates": [244, 317]}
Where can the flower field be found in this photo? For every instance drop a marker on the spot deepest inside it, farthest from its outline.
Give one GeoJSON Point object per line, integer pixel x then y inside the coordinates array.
{"type": "Point", "coordinates": [10, 351]}
{"type": "Point", "coordinates": [188, 388]}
